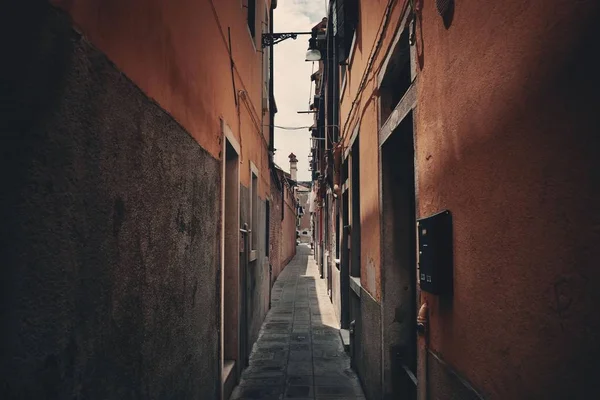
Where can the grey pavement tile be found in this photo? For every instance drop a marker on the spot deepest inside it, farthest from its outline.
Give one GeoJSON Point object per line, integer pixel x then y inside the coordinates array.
{"type": "Point", "coordinates": [299, 354]}
{"type": "Point", "coordinates": [300, 368]}
{"type": "Point", "coordinates": [300, 338]}
{"type": "Point", "coordinates": [271, 346]}
{"type": "Point", "coordinates": [263, 372]}
{"type": "Point", "coordinates": [269, 363]}
{"type": "Point", "coordinates": [257, 392]}
{"type": "Point", "coordinates": [341, 375]}
{"type": "Point", "coordinates": [301, 331]}
{"type": "Point", "coordinates": [305, 355]}
{"type": "Point", "coordinates": [329, 345]}
{"type": "Point", "coordinates": [306, 380]}
{"type": "Point", "coordinates": [270, 381]}
{"type": "Point", "coordinates": [339, 380]}
{"type": "Point", "coordinates": [296, 392]}
{"type": "Point", "coordinates": [300, 346]}
{"type": "Point", "coordinates": [328, 369]}
{"type": "Point", "coordinates": [338, 391]}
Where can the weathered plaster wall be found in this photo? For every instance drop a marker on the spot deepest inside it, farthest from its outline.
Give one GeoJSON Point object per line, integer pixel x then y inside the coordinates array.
{"type": "Point", "coordinates": [365, 115]}
{"type": "Point", "coordinates": [283, 231]}
{"type": "Point", "coordinates": [288, 243]}
{"type": "Point", "coordinates": [109, 241]}
{"type": "Point", "coordinates": [367, 359]}
{"type": "Point", "coordinates": [507, 139]}
{"type": "Point", "coordinates": [257, 272]}
{"type": "Point", "coordinates": [164, 46]}
{"type": "Point", "coordinates": [275, 229]}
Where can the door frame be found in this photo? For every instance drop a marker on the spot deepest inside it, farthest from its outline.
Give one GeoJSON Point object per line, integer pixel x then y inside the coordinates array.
{"type": "Point", "coordinates": [407, 106]}
{"type": "Point", "coordinates": [226, 369]}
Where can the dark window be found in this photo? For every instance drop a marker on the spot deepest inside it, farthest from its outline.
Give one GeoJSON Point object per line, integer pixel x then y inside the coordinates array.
{"type": "Point", "coordinates": [345, 21]}
{"type": "Point", "coordinates": [252, 17]}
{"type": "Point", "coordinates": [397, 79]}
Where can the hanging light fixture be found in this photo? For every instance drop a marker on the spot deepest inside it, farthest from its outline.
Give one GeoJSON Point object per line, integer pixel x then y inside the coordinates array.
{"type": "Point", "coordinates": [313, 54]}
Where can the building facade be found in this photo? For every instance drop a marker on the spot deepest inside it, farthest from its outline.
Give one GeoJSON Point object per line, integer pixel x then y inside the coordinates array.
{"type": "Point", "coordinates": [471, 129]}
{"type": "Point", "coordinates": [304, 221]}
{"type": "Point", "coordinates": [283, 216]}
{"type": "Point", "coordinates": [136, 196]}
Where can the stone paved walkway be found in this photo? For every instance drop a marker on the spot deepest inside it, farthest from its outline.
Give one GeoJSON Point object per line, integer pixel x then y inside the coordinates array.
{"type": "Point", "coordinates": [299, 353]}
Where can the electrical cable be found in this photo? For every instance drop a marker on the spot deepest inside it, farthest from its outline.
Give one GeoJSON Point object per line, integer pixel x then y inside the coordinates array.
{"type": "Point", "coordinates": [293, 128]}
{"type": "Point", "coordinates": [379, 35]}
{"type": "Point", "coordinates": [374, 51]}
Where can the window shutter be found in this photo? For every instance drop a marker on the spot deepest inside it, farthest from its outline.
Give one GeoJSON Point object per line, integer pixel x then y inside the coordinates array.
{"type": "Point", "coordinates": [345, 20]}
{"type": "Point", "coordinates": [339, 23]}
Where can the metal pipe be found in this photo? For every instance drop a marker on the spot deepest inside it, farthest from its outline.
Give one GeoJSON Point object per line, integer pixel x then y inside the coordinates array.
{"type": "Point", "coordinates": [423, 348]}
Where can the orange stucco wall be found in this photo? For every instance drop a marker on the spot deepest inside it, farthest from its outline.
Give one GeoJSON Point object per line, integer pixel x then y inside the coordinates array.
{"type": "Point", "coordinates": [506, 123]}
{"type": "Point", "coordinates": [365, 115]}
{"type": "Point", "coordinates": [507, 140]}
{"type": "Point", "coordinates": [177, 52]}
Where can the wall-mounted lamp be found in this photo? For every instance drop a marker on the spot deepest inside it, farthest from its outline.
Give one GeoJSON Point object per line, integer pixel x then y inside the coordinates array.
{"type": "Point", "coordinates": [269, 39]}
{"type": "Point", "coordinates": [313, 54]}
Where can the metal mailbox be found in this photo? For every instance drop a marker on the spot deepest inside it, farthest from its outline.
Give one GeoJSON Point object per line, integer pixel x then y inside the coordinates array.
{"type": "Point", "coordinates": [435, 253]}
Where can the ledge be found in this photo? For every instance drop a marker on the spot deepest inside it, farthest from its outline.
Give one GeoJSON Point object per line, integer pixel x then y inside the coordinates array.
{"type": "Point", "coordinates": [355, 285]}
{"type": "Point", "coordinates": [406, 105]}
{"type": "Point", "coordinates": [252, 256]}
{"type": "Point", "coordinates": [228, 378]}
{"type": "Point", "coordinates": [345, 336]}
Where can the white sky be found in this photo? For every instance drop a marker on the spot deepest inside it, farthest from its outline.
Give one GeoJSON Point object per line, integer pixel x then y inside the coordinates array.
{"type": "Point", "coordinates": [292, 80]}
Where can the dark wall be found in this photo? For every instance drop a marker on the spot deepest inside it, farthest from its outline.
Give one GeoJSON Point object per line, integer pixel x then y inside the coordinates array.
{"type": "Point", "coordinates": [367, 356]}
{"type": "Point", "coordinates": [258, 281]}
{"type": "Point", "coordinates": [257, 272]}
{"type": "Point", "coordinates": [110, 244]}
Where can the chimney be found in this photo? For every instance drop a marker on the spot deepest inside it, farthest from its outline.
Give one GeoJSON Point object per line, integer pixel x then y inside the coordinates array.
{"type": "Point", "coordinates": [293, 166]}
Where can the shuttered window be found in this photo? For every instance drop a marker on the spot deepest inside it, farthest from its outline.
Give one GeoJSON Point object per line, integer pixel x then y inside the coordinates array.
{"type": "Point", "coordinates": [345, 21]}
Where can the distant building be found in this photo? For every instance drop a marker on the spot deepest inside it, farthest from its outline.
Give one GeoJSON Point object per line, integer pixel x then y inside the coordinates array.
{"type": "Point", "coordinates": [304, 227]}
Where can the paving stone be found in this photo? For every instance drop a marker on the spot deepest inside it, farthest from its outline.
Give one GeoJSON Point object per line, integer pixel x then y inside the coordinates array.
{"type": "Point", "coordinates": [299, 354]}
{"type": "Point", "coordinates": [299, 346]}
{"type": "Point", "coordinates": [272, 381]}
{"type": "Point", "coordinates": [338, 390]}
{"type": "Point", "coordinates": [295, 392]}
{"type": "Point", "coordinates": [256, 392]}
{"type": "Point", "coordinates": [339, 379]}
{"type": "Point", "coordinates": [300, 368]}
{"type": "Point", "coordinates": [299, 380]}
{"type": "Point", "coordinates": [305, 355]}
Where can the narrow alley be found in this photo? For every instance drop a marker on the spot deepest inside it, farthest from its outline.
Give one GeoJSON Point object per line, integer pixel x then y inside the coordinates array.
{"type": "Point", "coordinates": [300, 199]}
{"type": "Point", "coordinates": [299, 353]}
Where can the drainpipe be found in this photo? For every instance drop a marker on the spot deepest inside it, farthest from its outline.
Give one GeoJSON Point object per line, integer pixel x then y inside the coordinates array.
{"type": "Point", "coordinates": [272, 106]}
{"type": "Point", "coordinates": [423, 347]}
